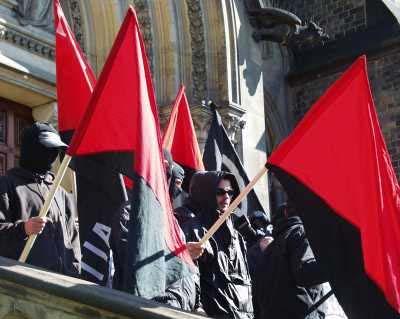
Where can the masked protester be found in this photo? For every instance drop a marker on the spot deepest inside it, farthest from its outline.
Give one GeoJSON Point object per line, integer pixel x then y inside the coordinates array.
{"type": "Point", "coordinates": [176, 192]}
{"type": "Point", "coordinates": [183, 294]}
{"type": "Point", "coordinates": [224, 275]}
{"type": "Point", "coordinates": [22, 194]}
{"type": "Point", "coordinates": [287, 277]}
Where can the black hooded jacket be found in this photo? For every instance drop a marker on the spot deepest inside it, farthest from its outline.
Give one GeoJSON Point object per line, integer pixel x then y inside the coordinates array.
{"type": "Point", "coordinates": [224, 276]}
{"type": "Point", "coordinates": [286, 275]}
{"type": "Point", "coordinates": [22, 195]}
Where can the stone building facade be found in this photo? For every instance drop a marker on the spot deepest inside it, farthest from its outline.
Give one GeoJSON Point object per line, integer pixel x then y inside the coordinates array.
{"type": "Point", "coordinates": [355, 27]}
{"type": "Point", "coordinates": [262, 87]}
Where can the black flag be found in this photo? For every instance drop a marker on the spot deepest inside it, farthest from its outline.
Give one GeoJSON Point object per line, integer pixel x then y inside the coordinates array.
{"type": "Point", "coordinates": [219, 154]}
{"type": "Point", "coordinates": [101, 196]}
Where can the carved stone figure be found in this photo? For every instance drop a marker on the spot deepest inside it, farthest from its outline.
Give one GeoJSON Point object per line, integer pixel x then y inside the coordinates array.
{"type": "Point", "coordinates": [37, 13]}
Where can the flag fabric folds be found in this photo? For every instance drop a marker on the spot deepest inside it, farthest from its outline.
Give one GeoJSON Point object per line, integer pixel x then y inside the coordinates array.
{"type": "Point", "coordinates": [75, 77]}
{"type": "Point", "coordinates": [100, 192]}
{"type": "Point", "coordinates": [336, 168]}
{"type": "Point", "coordinates": [219, 154]}
{"type": "Point", "coordinates": [121, 123]}
{"type": "Point", "coordinates": [180, 136]}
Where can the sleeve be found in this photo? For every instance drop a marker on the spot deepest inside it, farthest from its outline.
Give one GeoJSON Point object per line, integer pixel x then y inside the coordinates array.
{"type": "Point", "coordinates": [304, 266]}
{"type": "Point", "coordinates": [243, 226]}
{"type": "Point", "coordinates": [194, 232]}
{"type": "Point", "coordinates": [12, 232]}
{"type": "Point", "coordinates": [73, 228]}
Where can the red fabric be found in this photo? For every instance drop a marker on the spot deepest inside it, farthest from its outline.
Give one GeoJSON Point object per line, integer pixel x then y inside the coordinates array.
{"type": "Point", "coordinates": [128, 182]}
{"type": "Point", "coordinates": [338, 152]}
{"type": "Point", "coordinates": [180, 135]}
{"type": "Point", "coordinates": [75, 78]}
{"type": "Point", "coordinates": [122, 116]}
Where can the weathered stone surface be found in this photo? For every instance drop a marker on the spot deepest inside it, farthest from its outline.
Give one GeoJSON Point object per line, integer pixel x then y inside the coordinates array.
{"type": "Point", "coordinates": [33, 293]}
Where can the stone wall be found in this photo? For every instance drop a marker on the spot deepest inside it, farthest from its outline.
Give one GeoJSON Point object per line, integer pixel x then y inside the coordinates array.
{"type": "Point", "coordinates": [384, 75]}
{"type": "Point", "coordinates": [336, 17]}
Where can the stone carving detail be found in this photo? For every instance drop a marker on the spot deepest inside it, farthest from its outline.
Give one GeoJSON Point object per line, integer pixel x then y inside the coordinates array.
{"type": "Point", "coordinates": [202, 117]}
{"type": "Point", "coordinates": [24, 41]}
{"type": "Point", "coordinates": [76, 22]}
{"type": "Point", "coordinates": [33, 9]}
{"type": "Point", "coordinates": [199, 73]}
{"type": "Point", "coordinates": [143, 14]}
{"type": "Point", "coordinates": [234, 125]}
{"type": "Point", "coordinates": [38, 13]}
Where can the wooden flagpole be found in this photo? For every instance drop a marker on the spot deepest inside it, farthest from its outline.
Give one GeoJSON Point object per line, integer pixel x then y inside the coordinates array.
{"type": "Point", "coordinates": [46, 205]}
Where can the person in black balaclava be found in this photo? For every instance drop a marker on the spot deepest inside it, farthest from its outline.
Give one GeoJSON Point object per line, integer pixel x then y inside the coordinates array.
{"type": "Point", "coordinates": [177, 176]}
{"type": "Point", "coordinates": [22, 193]}
{"type": "Point", "coordinates": [176, 192]}
{"type": "Point", "coordinates": [184, 293]}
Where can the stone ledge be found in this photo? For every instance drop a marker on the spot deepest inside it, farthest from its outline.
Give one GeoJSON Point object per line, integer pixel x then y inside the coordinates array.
{"type": "Point", "coordinates": [19, 279]}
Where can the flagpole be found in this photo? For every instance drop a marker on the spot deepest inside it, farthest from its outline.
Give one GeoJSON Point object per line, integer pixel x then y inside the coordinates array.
{"type": "Point", "coordinates": [232, 206]}
{"type": "Point", "coordinates": [46, 205]}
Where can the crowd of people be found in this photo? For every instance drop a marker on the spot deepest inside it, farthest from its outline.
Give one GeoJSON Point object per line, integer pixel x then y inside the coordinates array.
{"type": "Point", "coordinates": [250, 268]}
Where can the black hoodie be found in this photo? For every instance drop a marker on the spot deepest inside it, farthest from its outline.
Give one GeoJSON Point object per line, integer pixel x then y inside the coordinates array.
{"type": "Point", "coordinates": [224, 276]}
{"type": "Point", "coordinates": [286, 275]}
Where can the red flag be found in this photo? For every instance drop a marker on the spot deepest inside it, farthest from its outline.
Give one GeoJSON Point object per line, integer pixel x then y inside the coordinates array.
{"type": "Point", "coordinates": [180, 135]}
{"type": "Point", "coordinates": [75, 78]}
{"type": "Point", "coordinates": [100, 192]}
{"type": "Point", "coordinates": [122, 120]}
{"type": "Point", "coordinates": [338, 153]}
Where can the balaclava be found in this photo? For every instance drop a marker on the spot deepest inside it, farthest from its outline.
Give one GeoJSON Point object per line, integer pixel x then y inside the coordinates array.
{"type": "Point", "coordinates": [39, 148]}
{"type": "Point", "coordinates": [177, 173]}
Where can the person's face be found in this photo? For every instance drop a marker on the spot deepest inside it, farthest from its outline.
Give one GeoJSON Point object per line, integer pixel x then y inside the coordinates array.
{"type": "Point", "coordinates": [224, 194]}
{"type": "Point", "coordinates": [178, 183]}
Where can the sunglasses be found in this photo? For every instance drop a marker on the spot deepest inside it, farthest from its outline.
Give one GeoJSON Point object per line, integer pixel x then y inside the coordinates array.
{"type": "Point", "coordinates": [221, 192]}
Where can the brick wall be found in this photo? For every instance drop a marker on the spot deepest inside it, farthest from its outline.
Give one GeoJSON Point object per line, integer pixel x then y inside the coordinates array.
{"type": "Point", "coordinates": [336, 17]}
{"type": "Point", "coordinates": [384, 74]}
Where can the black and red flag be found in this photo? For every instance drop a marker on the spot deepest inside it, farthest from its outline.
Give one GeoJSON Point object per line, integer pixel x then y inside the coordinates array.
{"type": "Point", "coordinates": [121, 123]}
{"type": "Point", "coordinates": [180, 138]}
{"type": "Point", "coordinates": [100, 192]}
{"type": "Point", "coordinates": [336, 169]}
{"type": "Point", "coordinates": [220, 155]}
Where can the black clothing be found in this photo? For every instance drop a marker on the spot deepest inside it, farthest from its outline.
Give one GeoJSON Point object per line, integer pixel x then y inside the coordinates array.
{"type": "Point", "coordinates": [183, 294]}
{"type": "Point", "coordinates": [184, 213]}
{"type": "Point", "coordinates": [119, 245]}
{"type": "Point", "coordinates": [180, 200]}
{"type": "Point", "coordinates": [22, 195]}
{"type": "Point", "coordinates": [176, 193]}
{"type": "Point", "coordinates": [224, 276]}
{"type": "Point", "coordinates": [286, 275]}
{"type": "Point", "coordinates": [40, 144]}
{"type": "Point", "coordinates": [250, 235]}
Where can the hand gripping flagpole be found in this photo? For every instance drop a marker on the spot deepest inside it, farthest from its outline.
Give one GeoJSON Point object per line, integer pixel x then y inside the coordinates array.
{"type": "Point", "coordinates": [232, 206]}
{"type": "Point", "coordinates": [45, 208]}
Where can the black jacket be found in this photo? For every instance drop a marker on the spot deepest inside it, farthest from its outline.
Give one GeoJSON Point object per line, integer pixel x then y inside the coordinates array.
{"type": "Point", "coordinates": [224, 276]}
{"type": "Point", "coordinates": [22, 195]}
{"type": "Point", "coordinates": [286, 275]}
